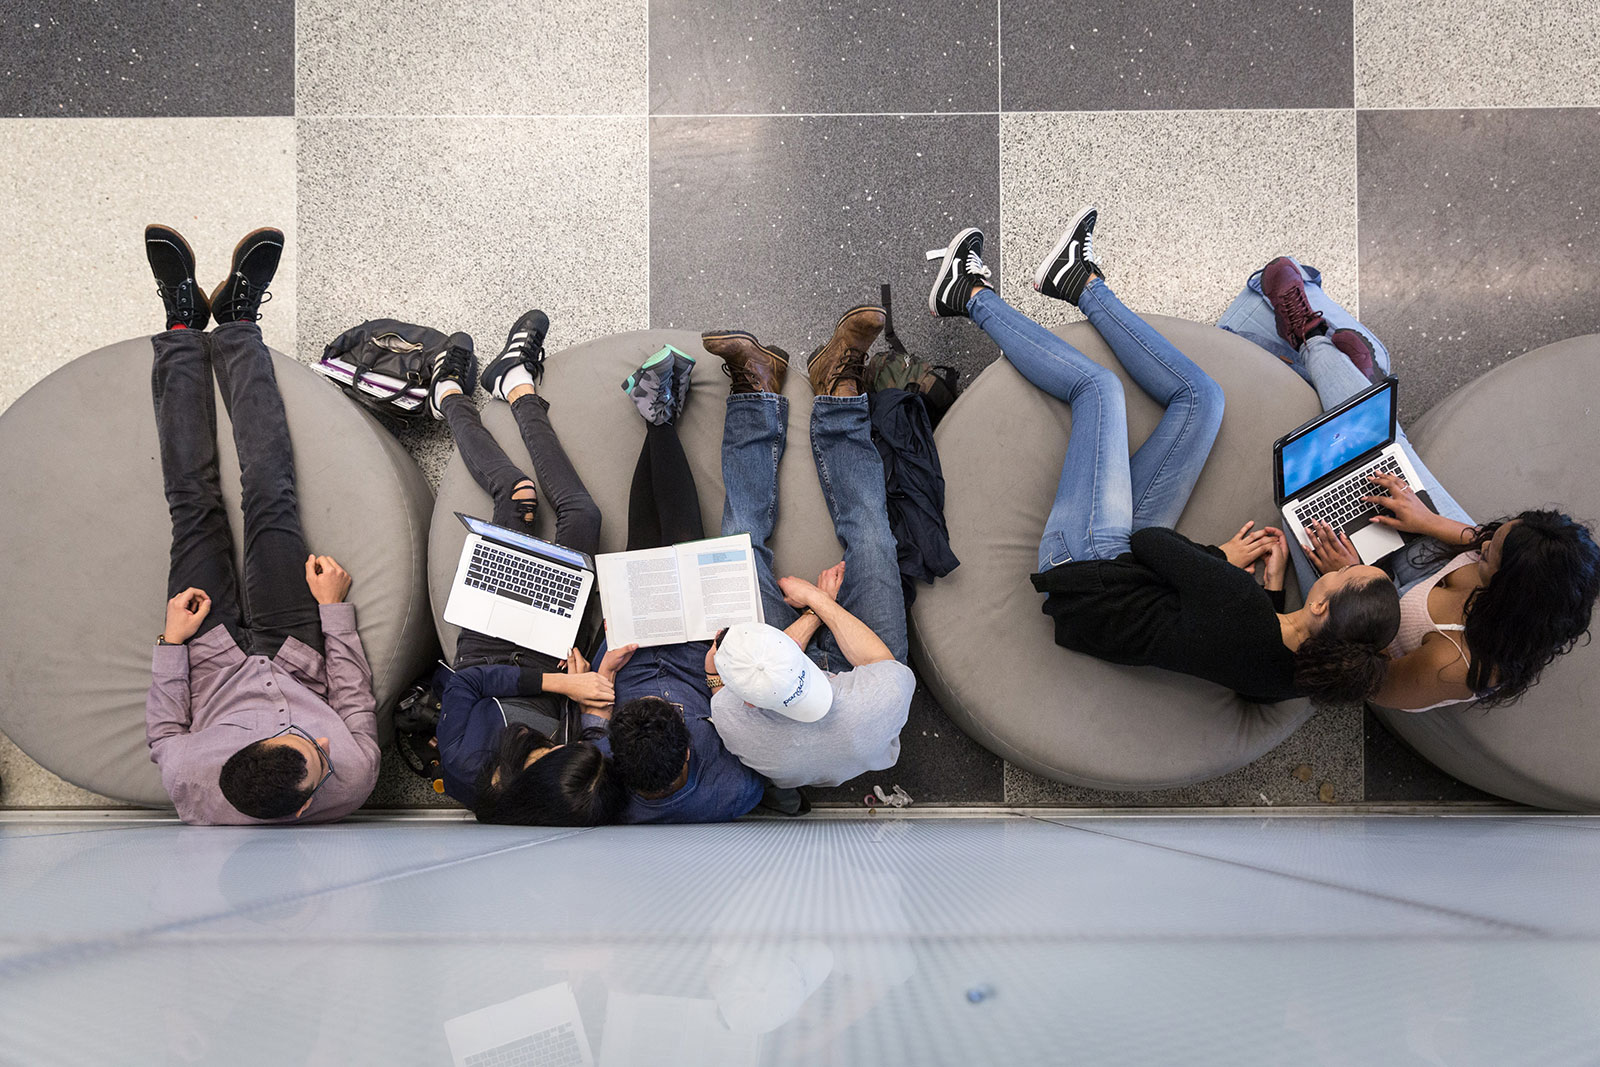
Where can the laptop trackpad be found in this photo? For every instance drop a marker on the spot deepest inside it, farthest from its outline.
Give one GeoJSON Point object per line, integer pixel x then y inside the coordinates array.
{"type": "Point", "coordinates": [1374, 542]}
{"type": "Point", "coordinates": [510, 622]}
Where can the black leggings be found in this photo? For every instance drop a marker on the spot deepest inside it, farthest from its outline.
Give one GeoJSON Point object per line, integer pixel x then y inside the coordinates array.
{"type": "Point", "coordinates": [663, 505]}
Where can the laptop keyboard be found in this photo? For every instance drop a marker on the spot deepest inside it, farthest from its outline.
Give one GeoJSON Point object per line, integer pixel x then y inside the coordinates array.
{"type": "Point", "coordinates": [523, 578]}
{"type": "Point", "coordinates": [1341, 506]}
{"type": "Point", "coordinates": [557, 1047]}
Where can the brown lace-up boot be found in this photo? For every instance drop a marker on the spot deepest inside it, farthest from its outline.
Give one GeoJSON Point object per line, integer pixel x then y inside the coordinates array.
{"type": "Point", "coordinates": [839, 368]}
{"type": "Point", "coordinates": [752, 366]}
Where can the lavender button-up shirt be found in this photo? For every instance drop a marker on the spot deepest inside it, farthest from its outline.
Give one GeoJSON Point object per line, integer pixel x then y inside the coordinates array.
{"type": "Point", "coordinates": [208, 700]}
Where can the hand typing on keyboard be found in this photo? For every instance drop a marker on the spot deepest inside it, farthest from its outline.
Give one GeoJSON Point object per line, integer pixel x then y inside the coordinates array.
{"type": "Point", "coordinates": [1402, 509]}
{"type": "Point", "coordinates": [1329, 549]}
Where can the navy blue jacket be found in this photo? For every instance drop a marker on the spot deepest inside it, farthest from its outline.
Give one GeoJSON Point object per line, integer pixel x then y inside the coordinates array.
{"type": "Point", "coordinates": [470, 720]}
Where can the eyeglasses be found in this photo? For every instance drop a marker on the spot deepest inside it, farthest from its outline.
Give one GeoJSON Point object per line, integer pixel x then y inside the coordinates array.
{"type": "Point", "coordinates": [327, 763]}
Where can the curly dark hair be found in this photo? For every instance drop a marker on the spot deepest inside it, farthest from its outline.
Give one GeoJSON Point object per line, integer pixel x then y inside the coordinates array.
{"type": "Point", "coordinates": [573, 785]}
{"type": "Point", "coordinates": [1344, 662]}
{"type": "Point", "coordinates": [265, 781]}
{"type": "Point", "coordinates": [649, 742]}
{"type": "Point", "coordinates": [1535, 607]}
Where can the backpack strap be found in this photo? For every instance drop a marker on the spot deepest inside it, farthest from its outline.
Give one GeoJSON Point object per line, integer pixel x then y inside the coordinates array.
{"type": "Point", "coordinates": [889, 336]}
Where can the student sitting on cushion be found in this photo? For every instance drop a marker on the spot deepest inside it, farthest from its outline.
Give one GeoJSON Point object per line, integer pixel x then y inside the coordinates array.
{"type": "Point", "coordinates": [512, 773]}
{"type": "Point", "coordinates": [1484, 608]}
{"type": "Point", "coordinates": [1120, 584]}
{"type": "Point", "coordinates": [661, 741]}
{"type": "Point", "coordinates": [260, 708]}
{"type": "Point", "coordinates": [784, 715]}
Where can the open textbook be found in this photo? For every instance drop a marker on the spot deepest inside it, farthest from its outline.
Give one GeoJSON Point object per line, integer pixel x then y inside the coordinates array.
{"type": "Point", "coordinates": [687, 592]}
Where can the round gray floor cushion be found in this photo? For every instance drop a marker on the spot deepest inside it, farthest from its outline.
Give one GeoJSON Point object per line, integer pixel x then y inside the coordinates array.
{"type": "Point", "coordinates": [1525, 435]}
{"type": "Point", "coordinates": [602, 433]}
{"type": "Point", "coordinates": [86, 533]}
{"type": "Point", "coordinates": [979, 638]}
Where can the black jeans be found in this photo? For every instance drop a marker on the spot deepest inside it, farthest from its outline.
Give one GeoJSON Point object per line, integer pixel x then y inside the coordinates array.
{"type": "Point", "coordinates": [577, 515]}
{"type": "Point", "coordinates": [276, 603]}
{"type": "Point", "coordinates": [663, 504]}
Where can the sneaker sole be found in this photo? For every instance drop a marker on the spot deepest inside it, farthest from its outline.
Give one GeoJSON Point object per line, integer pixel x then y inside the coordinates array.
{"type": "Point", "coordinates": [944, 265]}
{"type": "Point", "coordinates": [1061, 246]}
{"type": "Point", "coordinates": [717, 335]}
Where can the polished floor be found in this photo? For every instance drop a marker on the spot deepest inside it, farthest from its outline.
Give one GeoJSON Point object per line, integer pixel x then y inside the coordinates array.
{"type": "Point", "coordinates": [882, 940]}
{"type": "Point", "coordinates": [718, 164]}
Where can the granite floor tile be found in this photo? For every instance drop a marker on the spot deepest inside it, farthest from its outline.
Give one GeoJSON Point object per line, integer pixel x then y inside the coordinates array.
{"type": "Point", "coordinates": [537, 57]}
{"type": "Point", "coordinates": [1480, 238]}
{"type": "Point", "coordinates": [780, 224]}
{"type": "Point", "coordinates": [1319, 764]}
{"type": "Point", "coordinates": [1394, 773]}
{"type": "Point", "coordinates": [79, 193]}
{"type": "Point", "coordinates": [1460, 53]}
{"type": "Point", "coordinates": [25, 784]}
{"type": "Point", "coordinates": [1103, 55]}
{"type": "Point", "coordinates": [147, 58]}
{"type": "Point", "coordinates": [938, 765]}
{"type": "Point", "coordinates": [1190, 202]}
{"type": "Point", "coordinates": [805, 56]}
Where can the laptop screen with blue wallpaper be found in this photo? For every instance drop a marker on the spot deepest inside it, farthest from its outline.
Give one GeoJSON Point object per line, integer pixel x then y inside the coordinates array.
{"type": "Point", "coordinates": [1365, 426]}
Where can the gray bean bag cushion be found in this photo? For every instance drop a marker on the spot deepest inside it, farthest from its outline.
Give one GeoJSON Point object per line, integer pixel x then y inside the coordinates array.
{"type": "Point", "coordinates": [86, 533]}
{"type": "Point", "coordinates": [979, 638]}
{"type": "Point", "coordinates": [602, 433]}
{"type": "Point", "coordinates": [1526, 434]}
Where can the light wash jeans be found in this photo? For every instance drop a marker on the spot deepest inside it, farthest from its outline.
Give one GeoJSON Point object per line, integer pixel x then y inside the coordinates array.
{"type": "Point", "coordinates": [1336, 379]}
{"type": "Point", "coordinates": [851, 475]}
{"type": "Point", "coordinates": [1104, 494]}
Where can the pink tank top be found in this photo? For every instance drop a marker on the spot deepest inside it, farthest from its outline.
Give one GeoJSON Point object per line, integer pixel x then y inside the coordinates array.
{"type": "Point", "coordinates": [1416, 623]}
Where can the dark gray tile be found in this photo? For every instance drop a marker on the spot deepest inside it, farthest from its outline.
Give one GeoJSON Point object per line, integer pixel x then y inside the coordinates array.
{"type": "Point", "coordinates": [726, 57]}
{"type": "Point", "coordinates": [938, 765]}
{"type": "Point", "coordinates": [777, 225]}
{"type": "Point", "coordinates": [147, 57]}
{"type": "Point", "coordinates": [1480, 239]}
{"type": "Point", "coordinates": [1107, 55]}
{"type": "Point", "coordinates": [1394, 773]}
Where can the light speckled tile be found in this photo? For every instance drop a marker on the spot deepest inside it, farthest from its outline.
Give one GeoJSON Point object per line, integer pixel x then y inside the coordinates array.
{"type": "Point", "coordinates": [79, 192]}
{"type": "Point", "coordinates": [536, 57]}
{"type": "Point", "coordinates": [482, 219]}
{"type": "Point", "coordinates": [1319, 764]}
{"type": "Point", "coordinates": [1191, 202]}
{"type": "Point", "coordinates": [28, 785]}
{"type": "Point", "coordinates": [147, 58]}
{"type": "Point", "coordinates": [1463, 53]}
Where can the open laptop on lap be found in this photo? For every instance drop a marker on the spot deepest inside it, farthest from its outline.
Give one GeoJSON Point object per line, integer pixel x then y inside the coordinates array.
{"type": "Point", "coordinates": [1321, 471]}
{"type": "Point", "coordinates": [518, 588]}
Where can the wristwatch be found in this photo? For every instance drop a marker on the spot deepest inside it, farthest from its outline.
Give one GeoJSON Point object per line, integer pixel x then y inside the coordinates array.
{"type": "Point", "coordinates": [161, 639]}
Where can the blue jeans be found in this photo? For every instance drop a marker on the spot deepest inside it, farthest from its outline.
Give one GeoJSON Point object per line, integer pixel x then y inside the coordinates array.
{"type": "Point", "coordinates": [851, 475]}
{"type": "Point", "coordinates": [1104, 494]}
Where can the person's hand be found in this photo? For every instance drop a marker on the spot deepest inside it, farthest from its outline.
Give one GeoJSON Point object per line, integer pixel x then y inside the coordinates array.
{"type": "Point", "coordinates": [185, 613]}
{"type": "Point", "coordinates": [1247, 546]}
{"type": "Point", "coordinates": [589, 688]}
{"type": "Point", "coordinates": [831, 580]}
{"type": "Point", "coordinates": [614, 660]}
{"type": "Point", "coordinates": [1329, 549]}
{"type": "Point", "coordinates": [801, 594]}
{"type": "Point", "coordinates": [1276, 562]}
{"type": "Point", "coordinates": [329, 582]}
{"type": "Point", "coordinates": [1406, 510]}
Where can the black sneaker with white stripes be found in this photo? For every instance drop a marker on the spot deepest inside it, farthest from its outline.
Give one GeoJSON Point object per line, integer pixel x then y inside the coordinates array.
{"type": "Point", "coordinates": [961, 273]}
{"type": "Point", "coordinates": [1070, 264]}
{"type": "Point", "coordinates": [455, 364]}
{"type": "Point", "coordinates": [524, 348]}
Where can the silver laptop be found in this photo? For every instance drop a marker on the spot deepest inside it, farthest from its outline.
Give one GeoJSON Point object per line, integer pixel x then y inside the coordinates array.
{"type": "Point", "coordinates": [1321, 471]}
{"type": "Point", "coordinates": [540, 1029]}
{"type": "Point", "coordinates": [516, 587]}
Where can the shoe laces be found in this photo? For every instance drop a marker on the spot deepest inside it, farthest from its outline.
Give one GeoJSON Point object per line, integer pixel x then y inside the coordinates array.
{"type": "Point", "coordinates": [1088, 247]}
{"type": "Point", "coordinates": [744, 379]}
{"type": "Point", "coordinates": [975, 265]}
{"type": "Point", "coordinates": [454, 363]}
{"type": "Point", "coordinates": [850, 367]}
{"type": "Point", "coordinates": [1297, 309]}
{"type": "Point", "coordinates": [244, 302]}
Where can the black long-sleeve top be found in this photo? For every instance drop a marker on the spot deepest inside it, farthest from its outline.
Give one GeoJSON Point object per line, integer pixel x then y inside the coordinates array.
{"type": "Point", "coordinates": [1175, 604]}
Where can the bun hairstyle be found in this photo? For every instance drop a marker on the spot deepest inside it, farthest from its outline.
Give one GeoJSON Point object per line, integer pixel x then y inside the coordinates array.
{"type": "Point", "coordinates": [1535, 607]}
{"type": "Point", "coordinates": [1344, 662]}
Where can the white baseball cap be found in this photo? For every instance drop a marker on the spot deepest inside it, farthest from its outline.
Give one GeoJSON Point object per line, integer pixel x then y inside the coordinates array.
{"type": "Point", "coordinates": [762, 665]}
